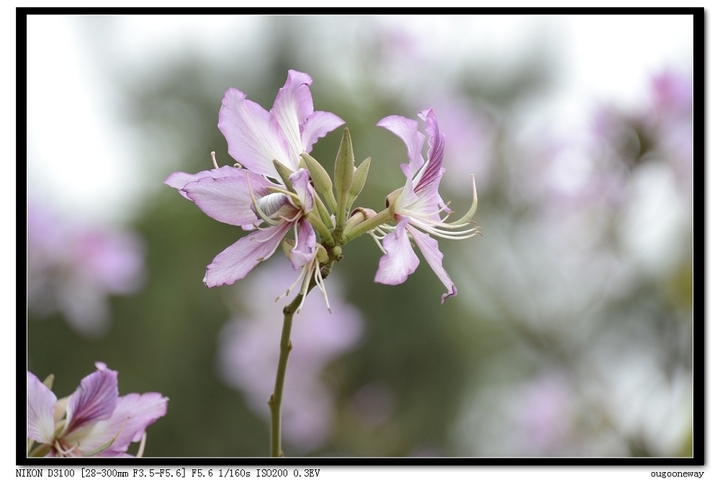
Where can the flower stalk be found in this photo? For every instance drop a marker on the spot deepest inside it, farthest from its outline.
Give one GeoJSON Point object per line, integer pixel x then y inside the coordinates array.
{"type": "Point", "coordinates": [275, 401]}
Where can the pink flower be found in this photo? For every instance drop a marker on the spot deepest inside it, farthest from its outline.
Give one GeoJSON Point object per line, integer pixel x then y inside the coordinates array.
{"type": "Point", "coordinates": [417, 207]}
{"type": "Point", "coordinates": [256, 137]}
{"type": "Point", "coordinates": [243, 198]}
{"type": "Point", "coordinates": [249, 196]}
{"type": "Point", "coordinates": [92, 421]}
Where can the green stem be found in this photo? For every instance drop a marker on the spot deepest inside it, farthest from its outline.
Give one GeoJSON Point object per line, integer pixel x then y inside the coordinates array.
{"type": "Point", "coordinates": [275, 401]}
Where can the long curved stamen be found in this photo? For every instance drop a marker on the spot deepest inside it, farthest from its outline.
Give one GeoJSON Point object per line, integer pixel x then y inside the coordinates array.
{"type": "Point", "coordinates": [321, 284]}
{"type": "Point", "coordinates": [442, 227]}
{"type": "Point", "coordinates": [377, 241]}
{"type": "Point", "coordinates": [212, 155]}
{"type": "Point", "coordinates": [64, 452]}
{"type": "Point", "coordinates": [379, 233]}
{"type": "Point", "coordinates": [295, 217]}
{"type": "Point", "coordinates": [450, 235]}
{"type": "Point", "coordinates": [289, 289]}
{"type": "Point", "coordinates": [310, 271]}
{"type": "Point", "coordinates": [425, 217]}
{"type": "Point", "coordinates": [473, 207]}
{"type": "Point", "coordinates": [305, 285]}
{"type": "Point", "coordinates": [303, 273]}
{"type": "Point", "coordinates": [141, 448]}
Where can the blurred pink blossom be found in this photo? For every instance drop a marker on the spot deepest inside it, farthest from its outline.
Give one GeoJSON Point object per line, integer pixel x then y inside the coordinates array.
{"type": "Point", "coordinates": [72, 269]}
{"type": "Point", "coordinates": [249, 350]}
{"type": "Point", "coordinates": [543, 414]}
{"type": "Point", "coordinates": [581, 181]}
{"type": "Point", "coordinates": [672, 111]}
{"type": "Point", "coordinates": [672, 94]}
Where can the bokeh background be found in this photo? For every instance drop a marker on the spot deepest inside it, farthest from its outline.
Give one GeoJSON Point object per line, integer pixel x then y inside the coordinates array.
{"type": "Point", "coordinates": [572, 332]}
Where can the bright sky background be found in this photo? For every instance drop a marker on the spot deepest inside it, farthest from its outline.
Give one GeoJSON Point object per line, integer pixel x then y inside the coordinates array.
{"type": "Point", "coordinates": [81, 157]}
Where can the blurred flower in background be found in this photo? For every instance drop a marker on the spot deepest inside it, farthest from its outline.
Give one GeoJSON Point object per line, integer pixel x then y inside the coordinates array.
{"type": "Point", "coordinates": [74, 268]}
{"type": "Point", "coordinates": [599, 257]}
{"type": "Point", "coordinates": [249, 349]}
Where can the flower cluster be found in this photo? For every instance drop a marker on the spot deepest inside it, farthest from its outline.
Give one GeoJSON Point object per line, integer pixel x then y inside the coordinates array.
{"type": "Point", "coordinates": [92, 421]}
{"type": "Point", "coordinates": [277, 187]}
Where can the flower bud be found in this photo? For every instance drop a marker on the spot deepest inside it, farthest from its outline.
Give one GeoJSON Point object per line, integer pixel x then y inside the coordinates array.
{"type": "Point", "coordinates": [358, 181]}
{"type": "Point", "coordinates": [284, 173]}
{"type": "Point", "coordinates": [344, 170]}
{"type": "Point", "coordinates": [358, 216]}
{"type": "Point", "coordinates": [321, 179]}
{"type": "Point", "coordinates": [321, 254]}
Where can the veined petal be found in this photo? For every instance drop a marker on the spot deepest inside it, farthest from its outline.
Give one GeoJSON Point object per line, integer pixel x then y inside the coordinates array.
{"type": "Point", "coordinates": [408, 132]}
{"type": "Point", "coordinates": [318, 125]}
{"type": "Point", "coordinates": [301, 183]}
{"type": "Point", "coordinates": [238, 259]}
{"type": "Point", "coordinates": [228, 199]}
{"type": "Point", "coordinates": [432, 171]}
{"type": "Point", "coordinates": [132, 415]}
{"type": "Point", "coordinates": [180, 179]}
{"type": "Point", "coordinates": [304, 249]}
{"type": "Point", "coordinates": [252, 139]}
{"type": "Point", "coordinates": [429, 248]}
{"type": "Point", "coordinates": [400, 260]}
{"type": "Point", "coordinates": [94, 399]}
{"type": "Point", "coordinates": [40, 405]}
{"type": "Point", "coordinates": [293, 105]}
{"type": "Point", "coordinates": [425, 204]}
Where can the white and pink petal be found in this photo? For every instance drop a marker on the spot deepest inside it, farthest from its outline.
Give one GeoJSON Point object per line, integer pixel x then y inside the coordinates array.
{"type": "Point", "coordinates": [432, 171]}
{"type": "Point", "coordinates": [317, 125]}
{"type": "Point", "coordinates": [433, 256]}
{"type": "Point", "coordinates": [178, 180]}
{"type": "Point", "coordinates": [253, 136]}
{"type": "Point", "coordinates": [93, 400]}
{"type": "Point", "coordinates": [303, 187]}
{"type": "Point", "coordinates": [407, 130]}
{"type": "Point", "coordinates": [228, 199]}
{"type": "Point", "coordinates": [238, 259]}
{"type": "Point", "coordinates": [400, 261]}
{"type": "Point", "coordinates": [304, 250]}
{"type": "Point", "coordinates": [132, 415]}
{"type": "Point", "coordinates": [40, 406]}
{"type": "Point", "coordinates": [293, 105]}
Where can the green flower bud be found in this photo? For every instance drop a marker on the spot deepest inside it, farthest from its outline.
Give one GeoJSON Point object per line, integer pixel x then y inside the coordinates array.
{"type": "Point", "coordinates": [358, 182]}
{"type": "Point", "coordinates": [321, 179]}
{"type": "Point", "coordinates": [344, 170]}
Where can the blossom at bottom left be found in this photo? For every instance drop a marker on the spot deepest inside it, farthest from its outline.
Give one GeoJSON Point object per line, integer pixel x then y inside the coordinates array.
{"type": "Point", "coordinates": [93, 421]}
